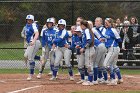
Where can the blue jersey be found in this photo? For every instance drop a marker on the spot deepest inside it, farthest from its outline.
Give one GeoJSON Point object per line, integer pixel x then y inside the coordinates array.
{"type": "Point", "coordinates": [30, 30]}
{"type": "Point", "coordinates": [98, 32]}
{"type": "Point", "coordinates": [76, 40]}
{"type": "Point", "coordinates": [61, 38]}
{"type": "Point", "coordinates": [96, 42]}
{"type": "Point", "coordinates": [112, 37]}
{"type": "Point", "coordinates": [48, 37]}
{"type": "Point", "coordinates": [86, 38]}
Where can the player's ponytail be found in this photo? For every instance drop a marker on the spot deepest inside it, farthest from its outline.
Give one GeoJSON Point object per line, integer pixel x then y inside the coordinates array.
{"type": "Point", "coordinates": [91, 32]}
{"type": "Point", "coordinates": [86, 24]}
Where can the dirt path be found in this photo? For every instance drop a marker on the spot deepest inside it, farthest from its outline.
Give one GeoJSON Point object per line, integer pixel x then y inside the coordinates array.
{"type": "Point", "coordinates": [17, 82]}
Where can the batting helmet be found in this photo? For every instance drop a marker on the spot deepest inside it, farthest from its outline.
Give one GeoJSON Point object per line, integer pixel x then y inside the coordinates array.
{"type": "Point", "coordinates": [62, 22]}
{"type": "Point", "coordinates": [30, 17]}
{"type": "Point", "coordinates": [50, 20]}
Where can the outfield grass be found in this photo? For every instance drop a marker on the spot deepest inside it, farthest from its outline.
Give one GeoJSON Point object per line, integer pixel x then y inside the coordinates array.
{"type": "Point", "coordinates": [11, 45]}
{"type": "Point", "coordinates": [61, 71]}
{"type": "Point", "coordinates": [130, 71]}
{"type": "Point", "coordinates": [106, 92]}
{"type": "Point", "coordinates": [12, 54]}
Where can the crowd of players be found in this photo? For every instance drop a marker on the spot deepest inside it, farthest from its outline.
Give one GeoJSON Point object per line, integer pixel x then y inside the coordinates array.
{"type": "Point", "coordinates": [96, 44]}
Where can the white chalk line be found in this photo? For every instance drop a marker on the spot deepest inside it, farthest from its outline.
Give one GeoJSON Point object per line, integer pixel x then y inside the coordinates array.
{"type": "Point", "coordinates": [24, 89]}
{"type": "Point", "coordinates": [1, 81]}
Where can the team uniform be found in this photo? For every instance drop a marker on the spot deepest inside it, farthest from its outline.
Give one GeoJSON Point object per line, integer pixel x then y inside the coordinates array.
{"type": "Point", "coordinates": [60, 41]}
{"type": "Point", "coordinates": [88, 55]}
{"type": "Point", "coordinates": [48, 36]}
{"type": "Point", "coordinates": [100, 51]}
{"type": "Point", "coordinates": [112, 40]}
{"type": "Point", "coordinates": [77, 45]}
{"type": "Point", "coordinates": [100, 55]}
{"type": "Point", "coordinates": [23, 35]}
{"type": "Point", "coordinates": [31, 30]}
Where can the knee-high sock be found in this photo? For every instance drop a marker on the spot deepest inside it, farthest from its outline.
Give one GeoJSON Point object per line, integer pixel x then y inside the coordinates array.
{"type": "Point", "coordinates": [90, 76]}
{"type": "Point", "coordinates": [86, 72]}
{"type": "Point", "coordinates": [117, 71]}
{"type": "Point", "coordinates": [95, 70]}
{"type": "Point", "coordinates": [82, 73]}
{"type": "Point", "coordinates": [32, 66]}
{"type": "Point", "coordinates": [112, 74]}
{"type": "Point", "coordinates": [105, 74]}
{"type": "Point", "coordinates": [70, 71]}
{"type": "Point", "coordinates": [55, 70]}
{"type": "Point", "coordinates": [52, 67]}
{"type": "Point", "coordinates": [100, 72]}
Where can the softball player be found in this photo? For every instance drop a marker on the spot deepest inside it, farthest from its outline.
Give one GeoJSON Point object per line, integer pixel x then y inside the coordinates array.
{"type": "Point", "coordinates": [113, 50]}
{"type": "Point", "coordinates": [77, 45]}
{"type": "Point", "coordinates": [78, 23]}
{"type": "Point", "coordinates": [47, 41]}
{"type": "Point", "coordinates": [87, 50]}
{"type": "Point", "coordinates": [23, 35]}
{"type": "Point", "coordinates": [100, 52]}
{"type": "Point", "coordinates": [32, 35]}
{"type": "Point", "coordinates": [61, 49]}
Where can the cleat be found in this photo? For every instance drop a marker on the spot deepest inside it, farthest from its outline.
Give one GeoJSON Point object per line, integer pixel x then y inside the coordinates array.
{"type": "Point", "coordinates": [80, 82]}
{"type": "Point", "coordinates": [112, 83]}
{"type": "Point", "coordinates": [39, 76]}
{"type": "Point", "coordinates": [104, 82]}
{"type": "Point", "coordinates": [87, 83]}
{"type": "Point", "coordinates": [100, 80]}
{"type": "Point", "coordinates": [95, 82]}
{"type": "Point", "coordinates": [52, 78]}
{"type": "Point", "coordinates": [119, 81]}
{"type": "Point", "coordinates": [71, 78]}
{"type": "Point", "coordinates": [29, 78]}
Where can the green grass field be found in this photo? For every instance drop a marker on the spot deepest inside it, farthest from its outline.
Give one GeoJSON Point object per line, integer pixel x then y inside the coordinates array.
{"type": "Point", "coordinates": [11, 45]}
{"type": "Point", "coordinates": [64, 71]}
{"type": "Point", "coordinates": [12, 54]}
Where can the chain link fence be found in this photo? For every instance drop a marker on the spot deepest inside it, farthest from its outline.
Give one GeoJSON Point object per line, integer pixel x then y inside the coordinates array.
{"type": "Point", "coordinates": [13, 14]}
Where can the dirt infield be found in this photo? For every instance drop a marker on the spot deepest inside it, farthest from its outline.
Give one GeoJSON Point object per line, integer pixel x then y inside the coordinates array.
{"type": "Point", "coordinates": [16, 83]}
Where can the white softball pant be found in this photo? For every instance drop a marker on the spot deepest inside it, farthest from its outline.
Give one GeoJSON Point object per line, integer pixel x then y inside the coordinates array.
{"type": "Point", "coordinates": [47, 54]}
{"type": "Point", "coordinates": [100, 52]}
{"type": "Point", "coordinates": [32, 50]}
{"type": "Point", "coordinates": [86, 59]}
{"type": "Point", "coordinates": [112, 57]}
{"type": "Point", "coordinates": [61, 52]}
